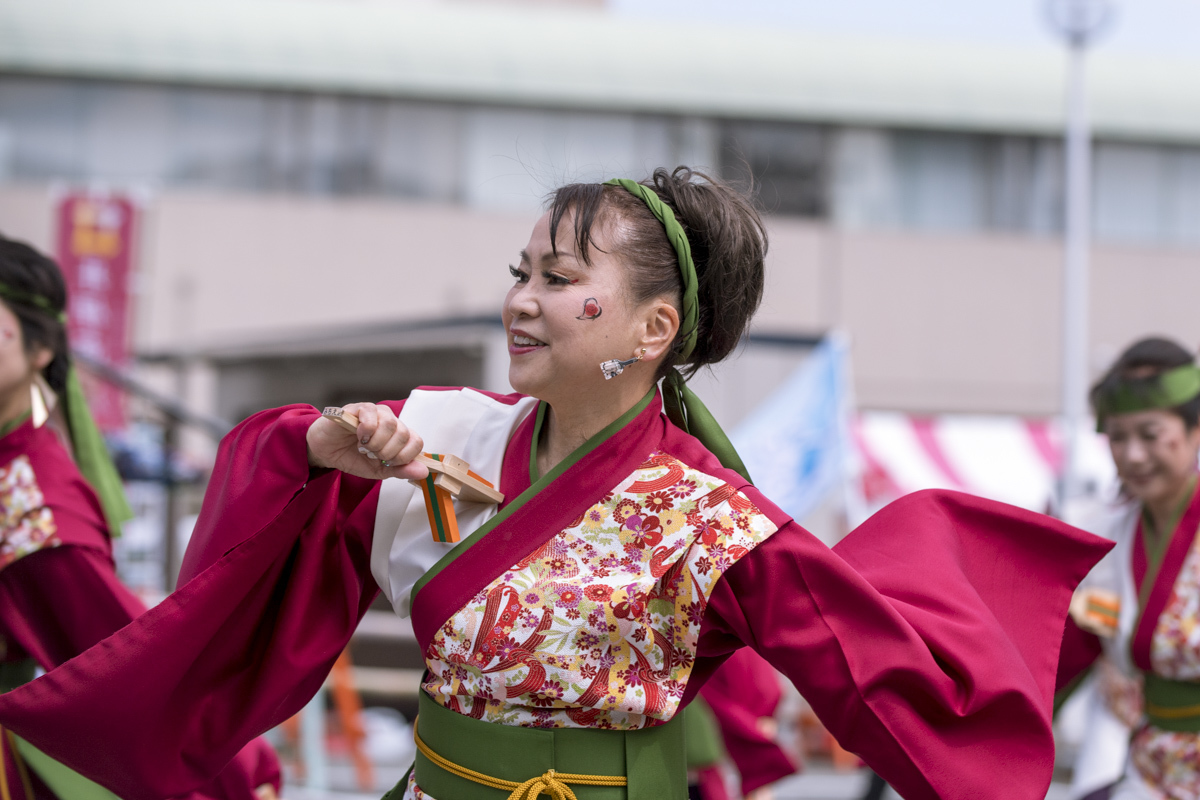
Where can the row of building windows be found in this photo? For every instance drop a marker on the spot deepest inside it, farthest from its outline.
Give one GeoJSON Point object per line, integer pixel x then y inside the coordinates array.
{"type": "Point", "coordinates": [509, 158]}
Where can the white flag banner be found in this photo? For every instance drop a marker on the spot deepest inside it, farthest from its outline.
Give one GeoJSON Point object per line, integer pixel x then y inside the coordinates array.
{"type": "Point", "coordinates": [796, 444]}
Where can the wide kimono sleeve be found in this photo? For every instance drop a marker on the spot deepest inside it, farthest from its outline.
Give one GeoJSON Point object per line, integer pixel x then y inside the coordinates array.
{"type": "Point", "coordinates": [927, 641]}
{"type": "Point", "coordinates": [273, 584]}
{"type": "Point", "coordinates": [1079, 652]}
{"type": "Point", "coordinates": [58, 602]}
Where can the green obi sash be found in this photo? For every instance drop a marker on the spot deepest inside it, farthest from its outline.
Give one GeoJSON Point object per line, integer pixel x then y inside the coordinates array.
{"type": "Point", "coordinates": [702, 736]}
{"type": "Point", "coordinates": [1172, 705]}
{"type": "Point", "coordinates": [651, 758]}
{"type": "Point", "coordinates": [60, 779]}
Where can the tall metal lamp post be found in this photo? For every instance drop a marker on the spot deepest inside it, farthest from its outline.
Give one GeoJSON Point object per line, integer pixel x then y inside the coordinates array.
{"type": "Point", "coordinates": [1078, 22]}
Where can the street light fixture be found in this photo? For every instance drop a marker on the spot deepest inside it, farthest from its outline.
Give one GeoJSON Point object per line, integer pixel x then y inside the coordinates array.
{"type": "Point", "coordinates": [1079, 23]}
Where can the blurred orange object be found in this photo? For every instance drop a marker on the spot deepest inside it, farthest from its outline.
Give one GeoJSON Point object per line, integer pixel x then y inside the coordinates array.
{"type": "Point", "coordinates": [348, 705]}
{"type": "Point", "coordinates": [1097, 611]}
{"type": "Point", "coordinates": [349, 709]}
{"type": "Point", "coordinates": [815, 740]}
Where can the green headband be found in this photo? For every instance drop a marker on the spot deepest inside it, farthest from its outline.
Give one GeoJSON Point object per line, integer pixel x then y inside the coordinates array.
{"type": "Point", "coordinates": [29, 299]}
{"type": "Point", "coordinates": [1166, 390]}
{"type": "Point", "coordinates": [91, 454]}
{"type": "Point", "coordinates": [682, 405]}
{"type": "Point", "coordinates": [683, 251]}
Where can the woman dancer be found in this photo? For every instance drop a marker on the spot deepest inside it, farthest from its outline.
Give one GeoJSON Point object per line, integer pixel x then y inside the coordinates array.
{"type": "Point", "coordinates": [59, 594]}
{"type": "Point", "coordinates": [1143, 598]}
{"type": "Point", "coordinates": [628, 559]}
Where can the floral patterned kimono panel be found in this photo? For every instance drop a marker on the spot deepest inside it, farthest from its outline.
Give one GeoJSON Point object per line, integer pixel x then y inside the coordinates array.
{"type": "Point", "coordinates": [597, 598]}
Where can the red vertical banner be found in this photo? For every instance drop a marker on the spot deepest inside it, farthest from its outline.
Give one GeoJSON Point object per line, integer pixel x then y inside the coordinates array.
{"type": "Point", "coordinates": [95, 251]}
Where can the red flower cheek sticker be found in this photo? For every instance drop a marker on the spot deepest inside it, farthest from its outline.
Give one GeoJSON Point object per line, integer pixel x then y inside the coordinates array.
{"type": "Point", "coordinates": [591, 309]}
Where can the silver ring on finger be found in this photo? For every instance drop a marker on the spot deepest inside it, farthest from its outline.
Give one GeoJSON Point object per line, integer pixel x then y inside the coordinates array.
{"type": "Point", "coordinates": [385, 463]}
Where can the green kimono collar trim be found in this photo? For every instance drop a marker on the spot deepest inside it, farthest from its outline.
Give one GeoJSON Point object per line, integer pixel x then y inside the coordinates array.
{"type": "Point", "coordinates": [536, 485]}
{"type": "Point", "coordinates": [13, 424]}
{"type": "Point", "coordinates": [1166, 390]}
{"type": "Point", "coordinates": [609, 430]}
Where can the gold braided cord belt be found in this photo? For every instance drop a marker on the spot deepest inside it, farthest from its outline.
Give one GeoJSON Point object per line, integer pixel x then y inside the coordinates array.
{"type": "Point", "coordinates": [1172, 712]}
{"type": "Point", "coordinates": [554, 784]}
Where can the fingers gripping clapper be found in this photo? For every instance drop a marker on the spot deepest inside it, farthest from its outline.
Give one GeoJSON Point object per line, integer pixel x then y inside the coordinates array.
{"type": "Point", "coordinates": [449, 478]}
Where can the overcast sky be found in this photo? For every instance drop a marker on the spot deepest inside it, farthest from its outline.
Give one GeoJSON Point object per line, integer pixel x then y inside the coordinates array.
{"type": "Point", "coordinates": [1166, 27]}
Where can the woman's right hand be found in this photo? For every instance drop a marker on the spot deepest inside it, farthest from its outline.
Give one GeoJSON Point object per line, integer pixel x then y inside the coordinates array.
{"type": "Point", "coordinates": [381, 437]}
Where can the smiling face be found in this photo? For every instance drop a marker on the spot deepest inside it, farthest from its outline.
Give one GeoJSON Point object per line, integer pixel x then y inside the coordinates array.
{"type": "Point", "coordinates": [565, 316]}
{"type": "Point", "coordinates": [1154, 452]}
{"type": "Point", "coordinates": [17, 365]}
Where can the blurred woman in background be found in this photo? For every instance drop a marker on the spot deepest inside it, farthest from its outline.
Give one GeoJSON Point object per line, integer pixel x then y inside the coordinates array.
{"type": "Point", "coordinates": [60, 505]}
{"type": "Point", "coordinates": [1140, 607]}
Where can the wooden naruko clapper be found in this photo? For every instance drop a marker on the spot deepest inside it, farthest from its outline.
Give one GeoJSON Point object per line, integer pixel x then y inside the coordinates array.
{"type": "Point", "coordinates": [449, 478]}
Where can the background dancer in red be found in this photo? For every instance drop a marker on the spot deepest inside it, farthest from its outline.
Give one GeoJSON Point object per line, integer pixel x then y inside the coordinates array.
{"type": "Point", "coordinates": [59, 593]}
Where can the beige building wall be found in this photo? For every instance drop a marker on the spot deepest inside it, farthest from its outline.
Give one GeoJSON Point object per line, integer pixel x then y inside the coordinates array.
{"type": "Point", "coordinates": [937, 322]}
{"type": "Point", "coordinates": [951, 323]}
{"type": "Point", "coordinates": [223, 269]}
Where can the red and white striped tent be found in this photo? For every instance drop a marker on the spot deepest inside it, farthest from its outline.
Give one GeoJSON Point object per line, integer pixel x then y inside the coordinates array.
{"type": "Point", "coordinates": [1008, 458]}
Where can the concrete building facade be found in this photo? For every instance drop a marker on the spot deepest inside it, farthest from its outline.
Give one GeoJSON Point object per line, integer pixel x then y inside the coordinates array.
{"type": "Point", "coordinates": [331, 192]}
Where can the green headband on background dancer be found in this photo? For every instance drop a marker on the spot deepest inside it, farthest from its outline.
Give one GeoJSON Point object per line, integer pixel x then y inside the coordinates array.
{"type": "Point", "coordinates": [682, 405]}
{"type": "Point", "coordinates": [1168, 389]}
{"type": "Point", "coordinates": [91, 454]}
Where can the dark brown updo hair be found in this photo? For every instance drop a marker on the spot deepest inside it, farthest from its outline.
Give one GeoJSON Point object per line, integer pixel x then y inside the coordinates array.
{"type": "Point", "coordinates": [1139, 367]}
{"type": "Point", "coordinates": [28, 273]}
{"type": "Point", "coordinates": [728, 241]}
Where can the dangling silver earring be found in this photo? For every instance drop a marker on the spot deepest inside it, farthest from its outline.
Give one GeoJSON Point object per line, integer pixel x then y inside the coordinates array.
{"type": "Point", "coordinates": [41, 400]}
{"type": "Point", "coordinates": [615, 367]}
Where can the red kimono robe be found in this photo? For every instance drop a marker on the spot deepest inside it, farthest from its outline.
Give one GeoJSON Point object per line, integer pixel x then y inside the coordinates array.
{"type": "Point", "coordinates": [59, 593]}
{"type": "Point", "coordinates": [927, 641]}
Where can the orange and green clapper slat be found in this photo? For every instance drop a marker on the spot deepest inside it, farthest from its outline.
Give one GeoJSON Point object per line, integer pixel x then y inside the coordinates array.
{"type": "Point", "coordinates": [1104, 611]}
{"type": "Point", "coordinates": [439, 505]}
